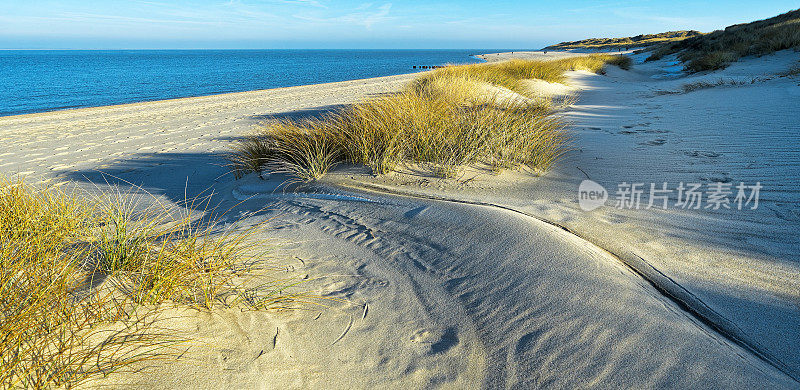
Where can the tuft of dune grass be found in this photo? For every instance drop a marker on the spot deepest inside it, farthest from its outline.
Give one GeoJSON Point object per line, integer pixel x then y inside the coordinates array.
{"type": "Point", "coordinates": [430, 129]}
{"type": "Point", "coordinates": [452, 117]}
{"type": "Point", "coordinates": [81, 281]}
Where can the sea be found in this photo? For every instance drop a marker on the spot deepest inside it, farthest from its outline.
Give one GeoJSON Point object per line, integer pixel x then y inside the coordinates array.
{"type": "Point", "coordinates": [46, 80]}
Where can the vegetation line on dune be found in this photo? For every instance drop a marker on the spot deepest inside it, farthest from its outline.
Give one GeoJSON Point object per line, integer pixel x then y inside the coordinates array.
{"type": "Point", "coordinates": [707, 51]}
{"type": "Point", "coordinates": [480, 114]}
{"type": "Point", "coordinates": [638, 41]}
{"type": "Point", "coordinates": [718, 49]}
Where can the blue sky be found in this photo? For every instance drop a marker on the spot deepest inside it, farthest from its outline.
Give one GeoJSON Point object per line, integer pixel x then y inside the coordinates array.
{"type": "Point", "coordinates": [75, 24]}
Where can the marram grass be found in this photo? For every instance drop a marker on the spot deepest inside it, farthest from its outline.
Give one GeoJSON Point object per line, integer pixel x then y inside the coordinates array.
{"type": "Point", "coordinates": [82, 280]}
{"type": "Point", "coordinates": [510, 74]}
{"type": "Point", "coordinates": [445, 120]}
{"type": "Point", "coordinates": [643, 40]}
{"type": "Point", "coordinates": [718, 49]}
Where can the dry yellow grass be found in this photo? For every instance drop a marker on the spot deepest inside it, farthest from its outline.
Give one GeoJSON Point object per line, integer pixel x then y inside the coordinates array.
{"type": "Point", "coordinates": [509, 74]}
{"type": "Point", "coordinates": [448, 118]}
{"type": "Point", "coordinates": [81, 281]}
{"type": "Point", "coordinates": [625, 42]}
{"type": "Point", "coordinates": [429, 129]}
{"type": "Point", "coordinates": [718, 49]}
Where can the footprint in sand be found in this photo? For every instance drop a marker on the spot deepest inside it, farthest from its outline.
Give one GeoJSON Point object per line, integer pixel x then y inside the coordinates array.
{"type": "Point", "coordinates": [644, 124]}
{"type": "Point", "coordinates": [716, 179]}
{"type": "Point", "coordinates": [526, 346]}
{"type": "Point", "coordinates": [231, 359]}
{"type": "Point", "coordinates": [348, 287]}
{"type": "Point", "coordinates": [655, 131]}
{"type": "Point", "coordinates": [436, 340]}
{"type": "Point", "coordinates": [701, 153]}
{"type": "Point", "coordinates": [785, 211]}
{"type": "Point", "coordinates": [337, 288]}
{"type": "Point", "coordinates": [655, 142]}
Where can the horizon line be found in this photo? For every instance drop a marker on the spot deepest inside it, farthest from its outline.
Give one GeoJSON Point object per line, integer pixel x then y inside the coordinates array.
{"type": "Point", "coordinates": [265, 48]}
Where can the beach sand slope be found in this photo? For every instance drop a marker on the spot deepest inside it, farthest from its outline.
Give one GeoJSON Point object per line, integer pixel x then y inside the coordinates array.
{"type": "Point", "coordinates": [421, 293]}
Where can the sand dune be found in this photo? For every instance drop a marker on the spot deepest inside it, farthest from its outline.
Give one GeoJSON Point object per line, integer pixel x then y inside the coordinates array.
{"type": "Point", "coordinates": [434, 293]}
{"type": "Point", "coordinates": [738, 267]}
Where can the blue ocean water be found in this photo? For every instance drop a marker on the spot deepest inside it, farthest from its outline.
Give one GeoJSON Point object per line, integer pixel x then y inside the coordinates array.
{"type": "Point", "coordinates": [37, 81]}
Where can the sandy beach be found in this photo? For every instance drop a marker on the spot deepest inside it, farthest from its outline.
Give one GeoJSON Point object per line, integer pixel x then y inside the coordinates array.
{"type": "Point", "coordinates": [483, 281]}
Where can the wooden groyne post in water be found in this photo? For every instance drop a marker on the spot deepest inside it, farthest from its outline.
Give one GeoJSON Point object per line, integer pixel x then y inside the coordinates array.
{"type": "Point", "coordinates": [428, 66]}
